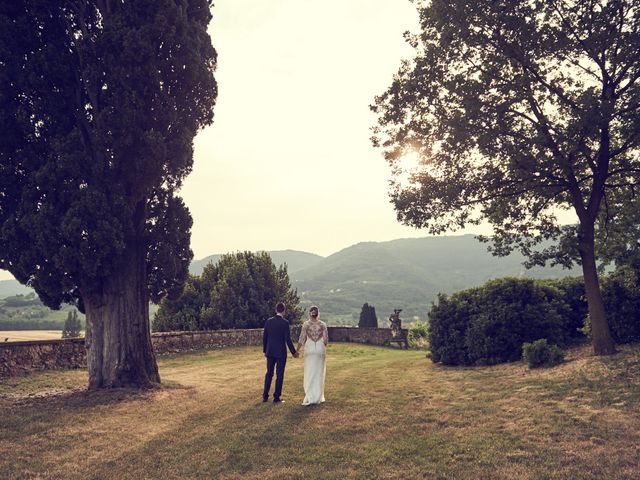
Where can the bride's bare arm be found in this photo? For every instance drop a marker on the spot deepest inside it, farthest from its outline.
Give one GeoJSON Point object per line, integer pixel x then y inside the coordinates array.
{"type": "Point", "coordinates": [303, 336]}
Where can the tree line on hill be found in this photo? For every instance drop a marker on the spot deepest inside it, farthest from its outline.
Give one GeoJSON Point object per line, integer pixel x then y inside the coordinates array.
{"type": "Point", "coordinates": [27, 312]}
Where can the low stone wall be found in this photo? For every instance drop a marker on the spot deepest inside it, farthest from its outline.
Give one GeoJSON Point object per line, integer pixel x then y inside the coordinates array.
{"type": "Point", "coordinates": [172, 342]}
{"type": "Point", "coordinates": [371, 336]}
{"type": "Point", "coordinates": [22, 357]}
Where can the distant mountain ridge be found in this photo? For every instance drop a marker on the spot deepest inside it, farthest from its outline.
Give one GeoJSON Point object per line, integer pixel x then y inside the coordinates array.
{"type": "Point", "coordinates": [405, 273]}
{"type": "Point", "coordinates": [9, 288]}
{"type": "Point", "coordinates": [295, 260]}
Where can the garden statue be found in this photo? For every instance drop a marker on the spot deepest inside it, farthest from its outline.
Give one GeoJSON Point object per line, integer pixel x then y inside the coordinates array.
{"type": "Point", "coordinates": [396, 323]}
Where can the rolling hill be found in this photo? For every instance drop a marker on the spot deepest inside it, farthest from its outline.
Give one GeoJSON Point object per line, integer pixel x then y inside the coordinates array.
{"type": "Point", "coordinates": [404, 273]}
{"type": "Point", "coordinates": [9, 288]}
{"type": "Point", "coordinates": [294, 259]}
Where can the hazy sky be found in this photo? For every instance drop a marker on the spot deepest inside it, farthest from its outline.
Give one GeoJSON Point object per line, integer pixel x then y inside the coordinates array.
{"type": "Point", "coordinates": [288, 162]}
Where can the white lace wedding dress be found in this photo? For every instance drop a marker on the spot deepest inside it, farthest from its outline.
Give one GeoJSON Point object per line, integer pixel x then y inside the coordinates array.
{"type": "Point", "coordinates": [315, 337]}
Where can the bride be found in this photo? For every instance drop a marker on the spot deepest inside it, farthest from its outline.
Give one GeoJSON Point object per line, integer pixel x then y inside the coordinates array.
{"type": "Point", "coordinates": [314, 338]}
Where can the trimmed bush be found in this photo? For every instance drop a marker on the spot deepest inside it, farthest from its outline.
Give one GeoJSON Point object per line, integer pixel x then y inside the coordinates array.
{"type": "Point", "coordinates": [418, 334]}
{"type": "Point", "coordinates": [512, 311]}
{"type": "Point", "coordinates": [570, 301]}
{"type": "Point", "coordinates": [621, 297]}
{"type": "Point", "coordinates": [541, 354]}
{"type": "Point", "coordinates": [448, 322]}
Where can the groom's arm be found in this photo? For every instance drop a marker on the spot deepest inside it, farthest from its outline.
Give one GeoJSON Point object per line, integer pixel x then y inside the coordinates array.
{"type": "Point", "coordinates": [264, 338]}
{"type": "Point", "coordinates": [292, 349]}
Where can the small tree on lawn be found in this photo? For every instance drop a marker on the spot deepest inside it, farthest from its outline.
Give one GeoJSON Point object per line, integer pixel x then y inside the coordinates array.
{"type": "Point", "coordinates": [241, 290]}
{"type": "Point", "coordinates": [368, 317]}
{"type": "Point", "coordinates": [72, 325]}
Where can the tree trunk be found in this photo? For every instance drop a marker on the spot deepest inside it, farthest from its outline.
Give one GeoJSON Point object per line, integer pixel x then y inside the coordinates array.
{"type": "Point", "coordinates": [600, 334]}
{"type": "Point", "coordinates": [118, 338]}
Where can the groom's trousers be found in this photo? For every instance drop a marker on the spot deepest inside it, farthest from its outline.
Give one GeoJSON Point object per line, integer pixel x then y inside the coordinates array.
{"type": "Point", "coordinates": [278, 365]}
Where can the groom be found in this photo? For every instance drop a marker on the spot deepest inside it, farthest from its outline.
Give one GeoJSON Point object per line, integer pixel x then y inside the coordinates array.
{"type": "Point", "coordinates": [275, 338]}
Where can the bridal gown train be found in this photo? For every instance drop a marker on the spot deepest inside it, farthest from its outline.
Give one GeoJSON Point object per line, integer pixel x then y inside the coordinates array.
{"type": "Point", "coordinates": [314, 337]}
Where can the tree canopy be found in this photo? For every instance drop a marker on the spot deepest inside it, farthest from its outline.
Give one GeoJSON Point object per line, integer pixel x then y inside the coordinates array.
{"type": "Point", "coordinates": [514, 111]}
{"type": "Point", "coordinates": [241, 290]}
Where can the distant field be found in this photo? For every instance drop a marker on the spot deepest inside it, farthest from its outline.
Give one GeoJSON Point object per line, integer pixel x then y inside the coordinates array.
{"type": "Point", "coordinates": [27, 335]}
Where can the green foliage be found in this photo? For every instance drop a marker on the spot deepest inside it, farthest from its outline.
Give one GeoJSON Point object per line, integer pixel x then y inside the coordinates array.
{"type": "Point", "coordinates": [541, 354]}
{"type": "Point", "coordinates": [621, 295]}
{"type": "Point", "coordinates": [100, 104]}
{"type": "Point", "coordinates": [72, 326]}
{"type": "Point", "coordinates": [489, 324]}
{"type": "Point", "coordinates": [240, 291]}
{"type": "Point", "coordinates": [448, 323]}
{"type": "Point", "coordinates": [30, 324]}
{"type": "Point", "coordinates": [568, 297]}
{"type": "Point", "coordinates": [418, 334]}
{"type": "Point", "coordinates": [501, 133]}
{"type": "Point", "coordinates": [28, 313]}
{"type": "Point", "coordinates": [368, 317]}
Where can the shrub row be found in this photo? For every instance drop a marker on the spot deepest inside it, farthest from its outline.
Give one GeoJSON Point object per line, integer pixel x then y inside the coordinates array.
{"type": "Point", "coordinates": [621, 297]}
{"type": "Point", "coordinates": [489, 324]}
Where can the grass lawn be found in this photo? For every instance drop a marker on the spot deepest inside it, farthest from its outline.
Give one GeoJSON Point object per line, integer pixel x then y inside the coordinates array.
{"type": "Point", "coordinates": [389, 414]}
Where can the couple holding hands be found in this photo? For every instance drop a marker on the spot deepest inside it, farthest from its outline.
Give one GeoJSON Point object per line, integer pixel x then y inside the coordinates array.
{"type": "Point", "coordinates": [314, 338]}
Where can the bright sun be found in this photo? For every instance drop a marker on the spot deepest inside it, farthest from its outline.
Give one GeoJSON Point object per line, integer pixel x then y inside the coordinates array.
{"type": "Point", "coordinates": [408, 165]}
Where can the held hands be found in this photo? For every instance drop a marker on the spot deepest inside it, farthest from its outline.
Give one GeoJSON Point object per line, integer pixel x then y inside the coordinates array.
{"type": "Point", "coordinates": [296, 354]}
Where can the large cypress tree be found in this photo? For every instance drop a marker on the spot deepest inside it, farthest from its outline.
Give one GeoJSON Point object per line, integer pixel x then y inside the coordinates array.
{"type": "Point", "coordinates": [99, 103]}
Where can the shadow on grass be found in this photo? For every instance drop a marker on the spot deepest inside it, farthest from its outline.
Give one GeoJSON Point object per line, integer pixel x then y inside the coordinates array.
{"type": "Point", "coordinates": [207, 444]}
{"type": "Point", "coordinates": [49, 409]}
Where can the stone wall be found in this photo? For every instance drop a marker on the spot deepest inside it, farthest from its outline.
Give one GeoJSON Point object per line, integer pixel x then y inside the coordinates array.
{"type": "Point", "coordinates": [371, 336]}
{"type": "Point", "coordinates": [172, 342]}
{"type": "Point", "coordinates": [22, 357]}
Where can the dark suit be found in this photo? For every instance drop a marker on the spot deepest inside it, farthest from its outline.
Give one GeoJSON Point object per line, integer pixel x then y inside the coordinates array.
{"type": "Point", "coordinates": [275, 340]}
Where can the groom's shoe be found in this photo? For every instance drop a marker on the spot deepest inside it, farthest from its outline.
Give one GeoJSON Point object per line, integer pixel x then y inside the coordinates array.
{"type": "Point", "coordinates": [265, 399]}
{"type": "Point", "coordinates": [277, 400]}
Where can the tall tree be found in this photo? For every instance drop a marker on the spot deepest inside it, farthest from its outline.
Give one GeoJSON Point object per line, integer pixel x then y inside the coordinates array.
{"type": "Point", "coordinates": [514, 111]}
{"type": "Point", "coordinates": [72, 325]}
{"type": "Point", "coordinates": [99, 103]}
{"type": "Point", "coordinates": [241, 290]}
{"type": "Point", "coordinates": [368, 317]}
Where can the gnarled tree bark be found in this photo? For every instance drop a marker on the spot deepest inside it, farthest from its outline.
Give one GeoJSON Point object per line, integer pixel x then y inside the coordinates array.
{"type": "Point", "coordinates": [118, 337]}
